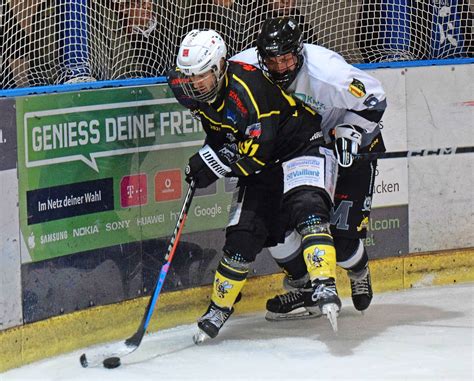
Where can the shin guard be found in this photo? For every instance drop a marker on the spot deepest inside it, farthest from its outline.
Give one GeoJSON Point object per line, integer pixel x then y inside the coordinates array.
{"type": "Point", "coordinates": [229, 279]}
{"type": "Point", "coordinates": [319, 255]}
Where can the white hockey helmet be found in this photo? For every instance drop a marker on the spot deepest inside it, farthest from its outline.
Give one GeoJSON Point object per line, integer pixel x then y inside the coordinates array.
{"type": "Point", "coordinates": [200, 52]}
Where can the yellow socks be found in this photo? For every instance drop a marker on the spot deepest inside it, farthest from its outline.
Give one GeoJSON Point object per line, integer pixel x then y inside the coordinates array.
{"type": "Point", "coordinates": [319, 255]}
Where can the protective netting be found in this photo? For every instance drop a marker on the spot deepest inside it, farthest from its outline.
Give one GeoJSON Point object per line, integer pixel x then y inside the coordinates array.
{"type": "Point", "coordinates": [45, 42]}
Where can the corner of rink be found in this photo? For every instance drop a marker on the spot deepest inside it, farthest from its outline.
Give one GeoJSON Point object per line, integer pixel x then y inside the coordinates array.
{"type": "Point", "coordinates": [61, 334]}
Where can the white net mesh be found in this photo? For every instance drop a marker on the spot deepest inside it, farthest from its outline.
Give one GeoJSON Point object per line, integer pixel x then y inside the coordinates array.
{"type": "Point", "coordinates": [45, 42]}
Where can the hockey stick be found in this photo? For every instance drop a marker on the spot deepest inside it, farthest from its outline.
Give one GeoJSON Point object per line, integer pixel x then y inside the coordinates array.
{"type": "Point", "coordinates": [415, 153]}
{"type": "Point", "coordinates": [131, 344]}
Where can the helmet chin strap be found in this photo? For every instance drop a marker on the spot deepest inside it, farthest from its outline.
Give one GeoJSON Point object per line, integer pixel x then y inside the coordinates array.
{"type": "Point", "coordinates": [219, 82]}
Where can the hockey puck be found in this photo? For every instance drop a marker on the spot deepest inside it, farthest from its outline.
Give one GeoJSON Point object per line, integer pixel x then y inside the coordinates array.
{"type": "Point", "coordinates": [83, 361]}
{"type": "Point", "coordinates": [112, 362]}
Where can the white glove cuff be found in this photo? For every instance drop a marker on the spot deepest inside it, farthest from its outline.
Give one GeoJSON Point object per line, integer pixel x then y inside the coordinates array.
{"type": "Point", "coordinates": [213, 162]}
{"type": "Point", "coordinates": [348, 131]}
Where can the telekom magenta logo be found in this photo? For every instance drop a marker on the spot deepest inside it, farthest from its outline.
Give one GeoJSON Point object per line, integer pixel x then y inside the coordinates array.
{"type": "Point", "coordinates": [133, 190]}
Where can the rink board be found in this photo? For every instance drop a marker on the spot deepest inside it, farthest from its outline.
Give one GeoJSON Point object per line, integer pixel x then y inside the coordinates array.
{"type": "Point", "coordinates": [68, 258]}
{"type": "Point", "coordinates": [94, 210]}
{"type": "Point", "coordinates": [97, 325]}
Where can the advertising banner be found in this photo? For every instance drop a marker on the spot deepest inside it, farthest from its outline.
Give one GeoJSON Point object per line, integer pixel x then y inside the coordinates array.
{"type": "Point", "coordinates": [101, 182]}
{"type": "Point", "coordinates": [387, 229]}
{"type": "Point", "coordinates": [105, 167]}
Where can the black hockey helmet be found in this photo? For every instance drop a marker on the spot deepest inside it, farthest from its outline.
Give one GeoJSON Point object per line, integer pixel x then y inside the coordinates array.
{"type": "Point", "coordinates": [279, 36]}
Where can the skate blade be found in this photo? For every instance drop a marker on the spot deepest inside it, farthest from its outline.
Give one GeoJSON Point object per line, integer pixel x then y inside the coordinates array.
{"type": "Point", "coordinates": [331, 310]}
{"type": "Point", "coordinates": [199, 337]}
{"type": "Point", "coordinates": [299, 315]}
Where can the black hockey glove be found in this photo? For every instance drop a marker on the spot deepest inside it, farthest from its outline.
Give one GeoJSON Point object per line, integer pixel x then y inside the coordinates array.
{"type": "Point", "coordinates": [205, 167]}
{"type": "Point", "coordinates": [348, 139]}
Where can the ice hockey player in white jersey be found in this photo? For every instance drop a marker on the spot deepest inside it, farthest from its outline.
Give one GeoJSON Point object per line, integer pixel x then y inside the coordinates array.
{"type": "Point", "coordinates": [351, 104]}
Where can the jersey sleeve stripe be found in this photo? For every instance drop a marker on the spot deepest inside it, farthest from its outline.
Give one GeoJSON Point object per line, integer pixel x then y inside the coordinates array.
{"type": "Point", "coordinates": [269, 114]}
{"type": "Point", "coordinates": [258, 161]}
{"type": "Point", "coordinates": [310, 110]}
{"type": "Point", "coordinates": [221, 106]}
{"type": "Point", "coordinates": [242, 169]}
{"type": "Point", "coordinates": [289, 98]}
{"type": "Point", "coordinates": [252, 99]}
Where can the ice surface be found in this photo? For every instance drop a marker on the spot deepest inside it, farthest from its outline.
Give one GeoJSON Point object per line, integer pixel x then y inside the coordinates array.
{"type": "Point", "coordinates": [417, 334]}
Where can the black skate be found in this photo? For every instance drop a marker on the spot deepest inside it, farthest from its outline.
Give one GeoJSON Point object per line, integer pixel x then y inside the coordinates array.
{"type": "Point", "coordinates": [211, 322]}
{"type": "Point", "coordinates": [325, 298]}
{"type": "Point", "coordinates": [292, 305]}
{"type": "Point", "coordinates": [361, 287]}
{"type": "Point", "coordinates": [290, 284]}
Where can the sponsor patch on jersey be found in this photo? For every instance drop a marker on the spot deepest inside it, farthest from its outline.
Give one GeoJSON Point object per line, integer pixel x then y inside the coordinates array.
{"type": "Point", "coordinates": [238, 103]}
{"type": "Point", "coordinates": [316, 105]}
{"type": "Point", "coordinates": [246, 66]}
{"type": "Point", "coordinates": [374, 144]}
{"type": "Point", "coordinates": [185, 52]}
{"type": "Point", "coordinates": [357, 88]}
{"type": "Point", "coordinates": [230, 115]}
{"type": "Point", "coordinates": [179, 81]}
{"type": "Point", "coordinates": [254, 131]}
{"type": "Point", "coordinates": [304, 171]}
{"type": "Point", "coordinates": [371, 101]}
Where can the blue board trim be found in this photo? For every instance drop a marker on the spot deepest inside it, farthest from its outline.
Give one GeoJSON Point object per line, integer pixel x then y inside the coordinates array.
{"type": "Point", "coordinates": [151, 81]}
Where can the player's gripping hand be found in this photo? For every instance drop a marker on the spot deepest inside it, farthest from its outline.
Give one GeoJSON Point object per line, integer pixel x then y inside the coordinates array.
{"type": "Point", "coordinates": [205, 167]}
{"type": "Point", "coordinates": [348, 139]}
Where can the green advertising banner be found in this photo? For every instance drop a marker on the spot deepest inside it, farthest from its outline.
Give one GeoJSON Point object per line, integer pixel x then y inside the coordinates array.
{"type": "Point", "coordinates": [102, 168]}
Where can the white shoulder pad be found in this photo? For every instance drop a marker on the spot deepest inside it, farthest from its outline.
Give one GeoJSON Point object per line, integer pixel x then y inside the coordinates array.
{"type": "Point", "coordinates": [249, 56]}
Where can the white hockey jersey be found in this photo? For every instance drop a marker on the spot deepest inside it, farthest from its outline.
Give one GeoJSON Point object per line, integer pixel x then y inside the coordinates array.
{"type": "Point", "coordinates": [339, 92]}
